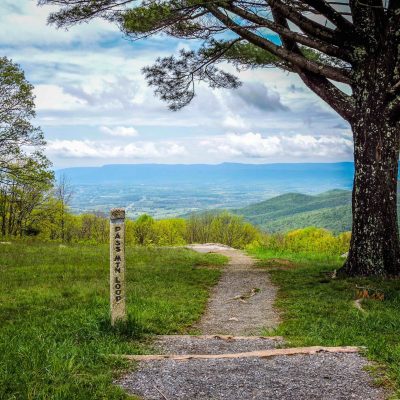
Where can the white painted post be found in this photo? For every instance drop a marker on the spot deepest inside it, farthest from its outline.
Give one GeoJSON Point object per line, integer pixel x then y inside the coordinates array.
{"type": "Point", "coordinates": [117, 265]}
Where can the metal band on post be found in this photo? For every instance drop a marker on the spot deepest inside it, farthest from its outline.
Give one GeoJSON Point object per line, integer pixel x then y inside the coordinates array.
{"type": "Point", "coordinates": [117, 265]}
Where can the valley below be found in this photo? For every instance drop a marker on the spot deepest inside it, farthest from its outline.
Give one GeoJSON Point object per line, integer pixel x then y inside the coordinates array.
{"type": "Point", "coordinates": [275, 197]}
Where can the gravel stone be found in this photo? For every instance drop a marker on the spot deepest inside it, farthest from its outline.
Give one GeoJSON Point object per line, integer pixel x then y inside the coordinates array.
{"type": "Point", "coordinates": [302, 377]}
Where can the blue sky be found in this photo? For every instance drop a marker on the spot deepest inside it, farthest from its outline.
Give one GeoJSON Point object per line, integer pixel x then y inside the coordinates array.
{"type": "Point", "coordinates": [95, 107]}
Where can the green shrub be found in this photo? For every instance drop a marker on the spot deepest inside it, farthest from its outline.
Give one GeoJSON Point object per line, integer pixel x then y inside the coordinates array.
{"type": "Point", "coordinates": [308, 240]}
{"type": "Point", "coordinates": [143, 231]}
{"type": "Point", "coordinates": [223, 227]}
{"type": "Point", "coordinates": [170, 232]}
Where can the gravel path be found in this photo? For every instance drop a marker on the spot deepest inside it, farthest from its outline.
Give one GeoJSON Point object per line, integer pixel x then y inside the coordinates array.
{"type": "Point", "coordinates": [303, 377]}
{"type": "Point", "coordinates": [241, 305]}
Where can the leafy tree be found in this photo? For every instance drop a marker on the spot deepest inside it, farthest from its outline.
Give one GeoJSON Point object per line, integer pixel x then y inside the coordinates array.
{"type": "Point", "coordinates": [355, 45]}
{"type": "Point", "coordinates": [93, 228]}
{"type": "Point", "coordinates": [22, 198]}
{"type": "Point", "coordinates": [198, 227]}
{"type": "Point", "coordinates": [25, 174]}
{"type": "Point", "coordinates": [222, 227]}
{"type": "Point", "coordinates": [170, 232]}
{"type": "Point", "coordinates": [143, 229]}
{"type": "Point", "coordinates": [20, 142]}
{"type": "Point", "coordinates": [47, 219]}
{"type": "Point", "coordinates": [232, 230]}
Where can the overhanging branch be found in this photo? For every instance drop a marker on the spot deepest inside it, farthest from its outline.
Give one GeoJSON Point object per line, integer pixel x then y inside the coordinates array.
{"type": "Point", "coordinates": [312, 28]}
{"type": "Point", "coordinates": [339, 101]}
{"type": "Point", "coordinates": [284, 32]}
{"type": "Point", "coordinates": [335, 74]}
{"type": "Point", "coordinates": [324, 8]}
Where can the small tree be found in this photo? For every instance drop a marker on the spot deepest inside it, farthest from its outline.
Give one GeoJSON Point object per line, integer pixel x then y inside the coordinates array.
{"type": "Point", "coordinates": [327, 44]}
{"type": "Point", "coordinates": [63, 193]}
{"type": "Point", "coordinates": [144, 230]}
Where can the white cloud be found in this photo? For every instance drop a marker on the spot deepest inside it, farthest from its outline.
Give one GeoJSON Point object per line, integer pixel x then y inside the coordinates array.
{"type": "Point", "coordinates": [254, 145]}
{"type": "Point", "coordinates": [121, 131]}
{"type": "Point", "coordinates": [52, 97]}
{"type": "Point", "coordinates": [104, 150]}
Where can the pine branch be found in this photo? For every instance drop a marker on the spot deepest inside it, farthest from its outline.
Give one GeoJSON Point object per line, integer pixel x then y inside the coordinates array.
{"type": "Point", "coordinates": [174, 78]}
{"type": "Point", "coordinates": [74, 12]}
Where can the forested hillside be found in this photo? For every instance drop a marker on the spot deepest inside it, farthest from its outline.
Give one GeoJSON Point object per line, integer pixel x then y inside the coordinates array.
{"type": "Point", "coordinates": [330, 210]}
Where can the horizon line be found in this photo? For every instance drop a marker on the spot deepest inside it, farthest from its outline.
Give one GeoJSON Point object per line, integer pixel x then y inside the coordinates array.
{"type": "Point", "coordinates": [206, 164]}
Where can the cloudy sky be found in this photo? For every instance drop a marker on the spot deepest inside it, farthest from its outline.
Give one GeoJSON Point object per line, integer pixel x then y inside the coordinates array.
{"type": "Point", "coordinates": [95, 107]}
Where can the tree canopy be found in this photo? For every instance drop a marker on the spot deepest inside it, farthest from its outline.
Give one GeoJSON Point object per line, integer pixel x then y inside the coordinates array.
{"type": "Point", "coordinates": [21, 143]}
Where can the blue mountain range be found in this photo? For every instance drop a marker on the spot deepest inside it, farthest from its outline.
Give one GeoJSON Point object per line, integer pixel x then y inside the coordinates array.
{"type": "Point", "coordinates": [310, 177]}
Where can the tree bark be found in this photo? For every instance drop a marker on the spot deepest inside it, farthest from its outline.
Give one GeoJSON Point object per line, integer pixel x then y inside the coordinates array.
{"type": "Point", "coordinates": [374, 248]}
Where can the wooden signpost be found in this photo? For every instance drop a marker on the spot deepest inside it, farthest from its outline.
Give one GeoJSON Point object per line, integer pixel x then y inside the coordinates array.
{"type": "Point", "coordinates": [117, 265]}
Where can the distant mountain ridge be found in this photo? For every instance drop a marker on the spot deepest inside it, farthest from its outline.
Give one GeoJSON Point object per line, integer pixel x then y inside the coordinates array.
{"type": "Point", "coordinates": [296, 174]}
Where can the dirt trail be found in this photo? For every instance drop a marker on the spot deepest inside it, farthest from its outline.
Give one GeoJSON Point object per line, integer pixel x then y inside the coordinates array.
{"type": "Point", "coordinates": [242, 364]}
{"type": "Point", "coordinates": [242, 303]}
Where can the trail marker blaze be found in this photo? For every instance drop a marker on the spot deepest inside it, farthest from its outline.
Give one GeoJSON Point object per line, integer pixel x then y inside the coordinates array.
{"type": "Point", "coordinates": [117, 265]}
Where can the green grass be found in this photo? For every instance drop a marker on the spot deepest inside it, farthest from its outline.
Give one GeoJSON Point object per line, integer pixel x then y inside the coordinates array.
{"type": "Point", "coordinates": [55, 333]}
{"type": "Point", "coordinates": [318, 310]}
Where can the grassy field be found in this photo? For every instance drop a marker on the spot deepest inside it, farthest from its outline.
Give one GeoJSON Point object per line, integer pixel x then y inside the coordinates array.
{"type": "Point", "coordinates": [318, 310]}
{"type": "Point", "coordinates": [54, 325]}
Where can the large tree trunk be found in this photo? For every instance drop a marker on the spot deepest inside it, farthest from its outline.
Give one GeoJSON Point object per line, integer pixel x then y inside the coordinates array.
{"type": "Point", "coordinates": [375, 248]}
